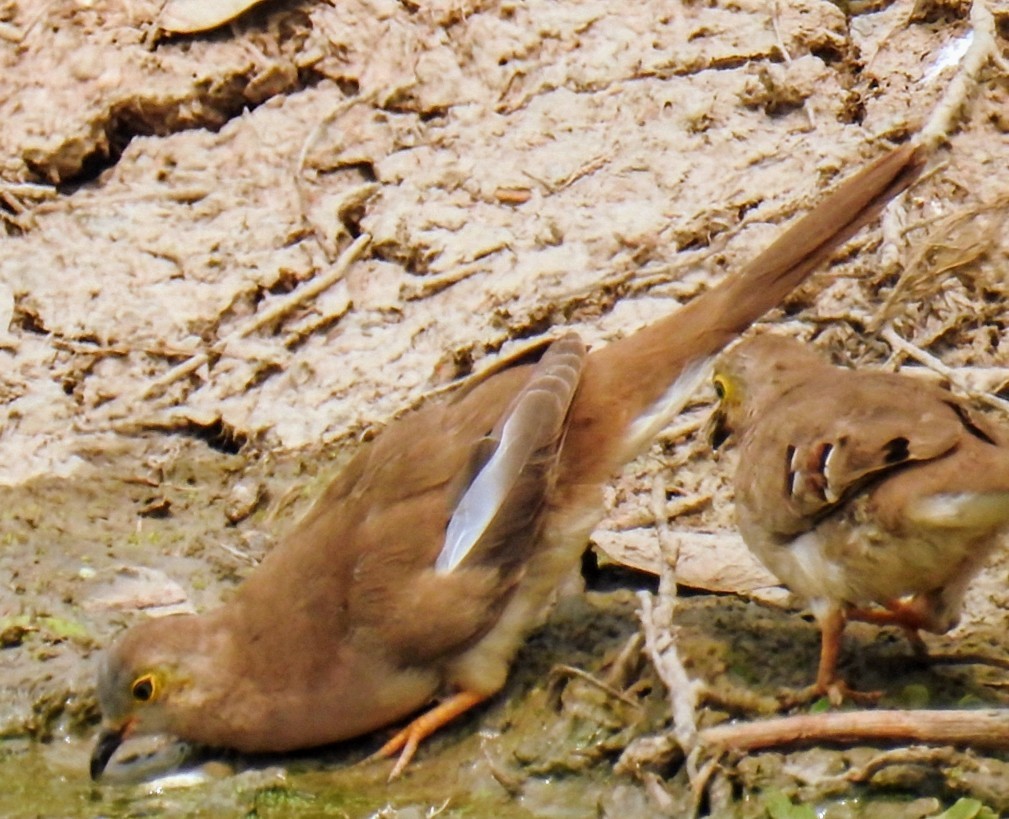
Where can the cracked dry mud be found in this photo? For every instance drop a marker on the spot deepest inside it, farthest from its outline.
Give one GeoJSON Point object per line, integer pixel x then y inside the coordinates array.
{"type": "Point", "coordinates": [519, 166]}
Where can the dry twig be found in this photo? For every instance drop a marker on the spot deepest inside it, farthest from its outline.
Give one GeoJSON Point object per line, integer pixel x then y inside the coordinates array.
{"type": "Point", "coordinates": [954, 243]}
{"type": "Point", "coordinates": [660, 632]}
{"type": "Point", "coordinates": [983, 49]}
{"type": "Point", "coordinates": [429, 285]}
{"type": "Point", "coordinates": [274, 312]}
{"type": "Point", "coordinates": [928, 360]}
{"type": "Point", "coordinates": [897, 756]}
{"type": "Point", "coordinates": [982, 728]}
{"type": "Point", "coordinates": [299, 170]}
{"type": "Point", "coordinates": [661, 643]}
{"type": "Point", "coordinates": [564, 670]}
{"type": "Point", "coordinates": [780, 41]}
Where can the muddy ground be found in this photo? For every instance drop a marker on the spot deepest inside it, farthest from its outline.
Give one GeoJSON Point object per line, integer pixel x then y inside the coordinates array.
{"type": "Point", "coordinates": [173, 398]}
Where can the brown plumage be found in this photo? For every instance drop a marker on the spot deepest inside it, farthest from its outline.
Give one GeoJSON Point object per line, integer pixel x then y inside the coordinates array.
{"type": "Point", "coordinates": [421, 568]}
{"type": "Point", "coordinates": [861, 489]}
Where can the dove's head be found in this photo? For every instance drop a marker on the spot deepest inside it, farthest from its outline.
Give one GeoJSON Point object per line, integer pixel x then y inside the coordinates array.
{"type": "Point", "coordinates": [156, 678]}
{"type": "Point", "coordinates": [749, 376]}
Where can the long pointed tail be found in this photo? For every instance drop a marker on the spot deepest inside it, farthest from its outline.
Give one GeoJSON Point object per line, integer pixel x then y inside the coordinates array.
{"type": "Point", "coordinates": [765, 281]}
{"type": "Point", "coordinates": [631, 387]}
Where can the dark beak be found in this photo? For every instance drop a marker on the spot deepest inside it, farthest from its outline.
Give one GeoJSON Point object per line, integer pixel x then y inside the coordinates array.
{"type": "Point", "coordinates": [716, 430]}
{"type": "Point", "coordinates": [108, 740]}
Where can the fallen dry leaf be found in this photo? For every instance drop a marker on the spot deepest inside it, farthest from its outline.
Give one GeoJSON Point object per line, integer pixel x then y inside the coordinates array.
{"type": "Point", "coordinates": [192, 16]}
{"type": "Point", "coordinates": [714, 561]}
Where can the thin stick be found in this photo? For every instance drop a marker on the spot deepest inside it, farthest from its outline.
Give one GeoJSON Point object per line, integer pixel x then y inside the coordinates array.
{"type": "Point", "coordinates": [898, 756]}
{"type": "Point", "coordinates": [661, 633]}
{"type": "Point", "coordinates": [302, 161]}
{"type": "Point", "coordinates": [430, 285]}
{"type": "Point", "coordinates": [29, 190]}
{"type": "Point", "coordinates": [928, 360]}
{"type": "Point", "coordinates": [982, 50]}
{"type": "Point", "coordinates": [563, 670]}
{"type": "Point", "coordinates": [776, 25]}
{"type": "Point", "coordinates": [276, 311]}
{"type": "Point", "coordinates": [983, 728]}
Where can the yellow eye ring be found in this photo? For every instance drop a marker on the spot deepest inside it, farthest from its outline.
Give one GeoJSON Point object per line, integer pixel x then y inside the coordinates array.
{"type": "Point", "coordinates": [721, 387]}
{"type": "Point", "coordinates": [145, 688]}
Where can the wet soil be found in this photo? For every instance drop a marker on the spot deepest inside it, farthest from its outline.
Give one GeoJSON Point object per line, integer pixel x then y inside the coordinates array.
{"type": "Point", "coordinates": [546, 746]}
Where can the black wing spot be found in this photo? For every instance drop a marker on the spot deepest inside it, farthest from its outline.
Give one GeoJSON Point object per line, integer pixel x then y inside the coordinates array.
{"type": "Point", "coordinates": [789, 472]}
{"type": "Point", "coordinates": [969, 424]}
{"type": "Point", "coordinates": [896, 450]}
{"type": "Point", "coordinates": [825, 451]}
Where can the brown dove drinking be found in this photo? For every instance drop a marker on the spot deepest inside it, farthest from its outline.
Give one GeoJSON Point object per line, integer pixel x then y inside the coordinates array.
{"type": "Point", "coordinates": [418, 572]}
{"type": "Point", "coordinates": [860, 489]}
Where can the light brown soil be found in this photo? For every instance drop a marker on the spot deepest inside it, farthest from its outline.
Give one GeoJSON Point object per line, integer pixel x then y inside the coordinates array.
{"type": "Point", "coordinates": [519, 166]}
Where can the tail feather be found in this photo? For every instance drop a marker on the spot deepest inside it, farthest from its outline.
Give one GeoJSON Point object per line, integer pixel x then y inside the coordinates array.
{"type": "Point", "coordinates": [635, 377]}
{"type": "Point", "coordinates": [980, 511]}
{"type": "Point", "coordinates": [524, 447]}
{"type": "Point", "coordinates": [765, 281]}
